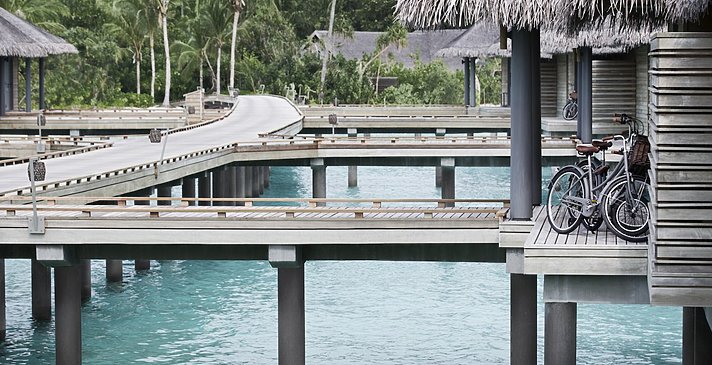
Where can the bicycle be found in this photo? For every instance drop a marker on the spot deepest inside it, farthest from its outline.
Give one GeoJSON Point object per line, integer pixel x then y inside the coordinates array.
{"type": "Point", "coordinates": [586, 193]}
{"type": "Point", "coordinates": [570, 111]}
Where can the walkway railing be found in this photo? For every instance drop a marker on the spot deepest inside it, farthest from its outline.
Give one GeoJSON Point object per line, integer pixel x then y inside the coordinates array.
{"type": "Point", "coordinates": [264, 208]}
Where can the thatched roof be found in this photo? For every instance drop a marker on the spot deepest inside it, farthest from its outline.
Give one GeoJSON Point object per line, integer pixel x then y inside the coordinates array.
{"type": "Point", "coordinates": [20, 38]}
{"type": "Point", "coordinates": [482, 40]}
{"type": "Point", "coordinates": [421, 45]}
{"type": "Point", "coordinates": [568, 15]}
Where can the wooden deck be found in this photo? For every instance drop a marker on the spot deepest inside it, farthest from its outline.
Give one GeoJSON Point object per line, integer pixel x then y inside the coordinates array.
{"type": "Point", "coordinates": [581, 252]}
{"type": "Point", "coordinates": [543, 235]}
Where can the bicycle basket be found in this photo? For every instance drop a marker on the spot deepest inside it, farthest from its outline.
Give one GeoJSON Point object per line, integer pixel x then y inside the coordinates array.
{"type": "Point", "coordinates": [638, 160]}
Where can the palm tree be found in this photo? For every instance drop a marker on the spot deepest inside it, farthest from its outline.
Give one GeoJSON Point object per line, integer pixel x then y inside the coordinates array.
{"type": "Point", "coordinates": [192, 54]}
{"type": "Point", "coordinates": [327, 47]}
{"type": "Point", "coordinates": [237, 6]}
{"type": "Point", "coordinates": [130, 25]}
{"type": "Point", "coordinates": [44, 13]}
{"type": "Point", "coordinates": [151, 14]}
{"type": "Point", "coordinates": [215, 19]}
{"type": "Point", "coordinates": [163, 20]}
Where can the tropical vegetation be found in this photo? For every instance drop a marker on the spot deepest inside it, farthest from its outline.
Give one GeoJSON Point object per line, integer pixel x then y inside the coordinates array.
{"type": "Point", "coordinates": [147, 52]}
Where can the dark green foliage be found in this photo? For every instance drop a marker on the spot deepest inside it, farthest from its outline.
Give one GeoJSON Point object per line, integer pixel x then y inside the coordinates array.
{"type": "Point", "coordinates": [270, 51]}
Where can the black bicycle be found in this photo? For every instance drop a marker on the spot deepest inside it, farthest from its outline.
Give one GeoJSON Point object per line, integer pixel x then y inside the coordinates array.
{"type": "Point", "coordinates": [571, 108]}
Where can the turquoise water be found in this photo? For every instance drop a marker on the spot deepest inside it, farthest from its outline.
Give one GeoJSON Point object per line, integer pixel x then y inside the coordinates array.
{"type": "Point", "coordinates": [225, 312]}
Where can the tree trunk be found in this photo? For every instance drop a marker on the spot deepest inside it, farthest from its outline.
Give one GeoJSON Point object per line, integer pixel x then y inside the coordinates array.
{"type": "Point", "coordinates": [324, 60]}
{"type": "Point", "coordinates": [235, 18]}
{"type": "Point", "coordinates": [164, 21]}
{"type": "Point", "coordinates": [153, 68]}
{"type": "Point", "coordinates": [201, 72]}
{"type": "Point", "coordinates": [218, 73]}
{"type": "Point", "coordinates": [138, 76]}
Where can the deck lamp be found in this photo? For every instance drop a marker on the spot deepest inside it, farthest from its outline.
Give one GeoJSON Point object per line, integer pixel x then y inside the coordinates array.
{"type": "Point", "coordinates": [41, 122]}
{"type": "Point", "coordinates": [333, 120]}
{"type": "Point", "coordinates": [36, 171]}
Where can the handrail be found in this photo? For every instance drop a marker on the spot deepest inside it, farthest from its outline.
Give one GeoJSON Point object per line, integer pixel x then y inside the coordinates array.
{"type": "Point", "coordinates": [248, 146]}
{"type": "Point", "coordinates": [375, 201]}
{"type": "Point", "coordinates": [46, 156]}
{"type": "Point", "coordinates": [290, 211]}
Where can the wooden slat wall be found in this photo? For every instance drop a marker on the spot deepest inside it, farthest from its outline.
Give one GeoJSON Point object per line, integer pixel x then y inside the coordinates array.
{"type": "Point", "coordinates": [680, 249]}
{"type": "Point", "coordinates": [641, 85]}
{"type": "Point", "coordinates": [548, 88]}
{"type": "Point", "coordinates": [614, 88]}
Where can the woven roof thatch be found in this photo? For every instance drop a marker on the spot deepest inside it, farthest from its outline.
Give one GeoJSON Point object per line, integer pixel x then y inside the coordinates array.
{"type": "Point", "coordinates": [568, 15]}
{"type": "Point", "coordinates": [482, 40]}
{"type": "Point", "coordinates": [421, 45]}
{"type": "Point", "coordinates": [20, 38]}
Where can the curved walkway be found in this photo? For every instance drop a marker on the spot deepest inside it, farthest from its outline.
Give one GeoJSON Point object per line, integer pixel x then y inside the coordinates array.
{"type": "Point", "coordinates": [254, 115]}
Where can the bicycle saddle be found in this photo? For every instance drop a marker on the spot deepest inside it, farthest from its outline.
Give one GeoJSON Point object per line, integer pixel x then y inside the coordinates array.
{"type": "Point", "coordinates": [601, 144]}
{"type": "Point", "coordinates": [586, 149]}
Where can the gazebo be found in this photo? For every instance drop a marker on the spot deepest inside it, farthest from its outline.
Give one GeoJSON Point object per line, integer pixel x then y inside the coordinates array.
{"type": "Point", "coordinates": [22, 39]}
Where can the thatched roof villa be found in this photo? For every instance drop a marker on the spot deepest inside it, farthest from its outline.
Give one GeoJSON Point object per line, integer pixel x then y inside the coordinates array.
{"type": "Point", "coordinates": [22, 39]}
{"type": "Point", "coordinates": [676, 268]}
{"type": "Point", "coordinates": [420, 45]}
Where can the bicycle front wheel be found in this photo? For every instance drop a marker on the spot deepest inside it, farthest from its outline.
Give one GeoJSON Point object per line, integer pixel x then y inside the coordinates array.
{"type": "Point", "coordinates": [564, 200]}
{"type": "Point", "coordinates": [624, 206]}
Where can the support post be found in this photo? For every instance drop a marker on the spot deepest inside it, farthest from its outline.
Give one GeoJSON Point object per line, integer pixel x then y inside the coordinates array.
{"type": "Point", "coordinates": [536, 117]}
{"type": "Point", "coordinates": [204, 188]}
{"type": "Point", "coordinates": [240, 183]}
{"type": "Point", "coordinates": [696, 337]}
{"type": "Point", "coordinates": [447, 191]}
{"type": "Point", "coordinates": [42, 83]}
{"type": "Point", "coordinates": [466, 66]}
{"type": "Point", "coordinates": [68, 320]}
{"type": "Point", "coordinates": [353, 176]}
{"type": "Point", "coordinates": [231, 181]}
{"type": "Point", "coordinates": [41, 291]}
{"type": "Point", "coordinates": [352, 170]}
{"type": "Point", "coordinates": [520, 162]}
{"type": "Point", "coordinates": [585, 94]}
{"type": "Point", "coordinates": [291, 323]}
{"type": "Point", "coordinates": [28, 85]}
{"type": "Point", "coordinates": [164, 191]}
{"type": "Point", "coordinates": [522, 319]}
{"type": "Point", "coordinates": [3, 305]}
{"type": "Point", "coordinates": [86, 279]}
{"type": "Point", "coordinates": [114, 271]}
{"type": "Point", "coordinates": [260, 179]}
{"type": "Point", "coordinates": [248, 182]}
{"type": "Point", "coordinates": [318, 179]}
{"type": "Point", "coordinates": [188, 189]}
{"type": "Point", "coordinates": [218, 185]}
{"type": "Point", "coordinates": [559, 333]}
{"type": "Point", "coordinates": [439, 133]}
{"type": "Point", "coordinates": [265, 176]}
{"type": "Point", "coordinates": [473, 82]}
{"type": "Point", "coordinates": [255, 181]}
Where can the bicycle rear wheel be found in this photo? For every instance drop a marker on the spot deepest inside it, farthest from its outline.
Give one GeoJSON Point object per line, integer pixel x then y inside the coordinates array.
{"type": "Point", "coordinates": [570, 111]}
{"type": "Point", "coordinates": [626, 212]}
{"type": "Point", "coordinates": [563, 210]}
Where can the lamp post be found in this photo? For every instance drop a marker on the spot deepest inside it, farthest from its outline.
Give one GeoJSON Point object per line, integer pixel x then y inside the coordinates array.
{"type": "Point", "coordinates": [155, 136]}
{"type": "Point", "coordinates": [36, 171]}
{"type": "Point", "coordinates": [41, 122]}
